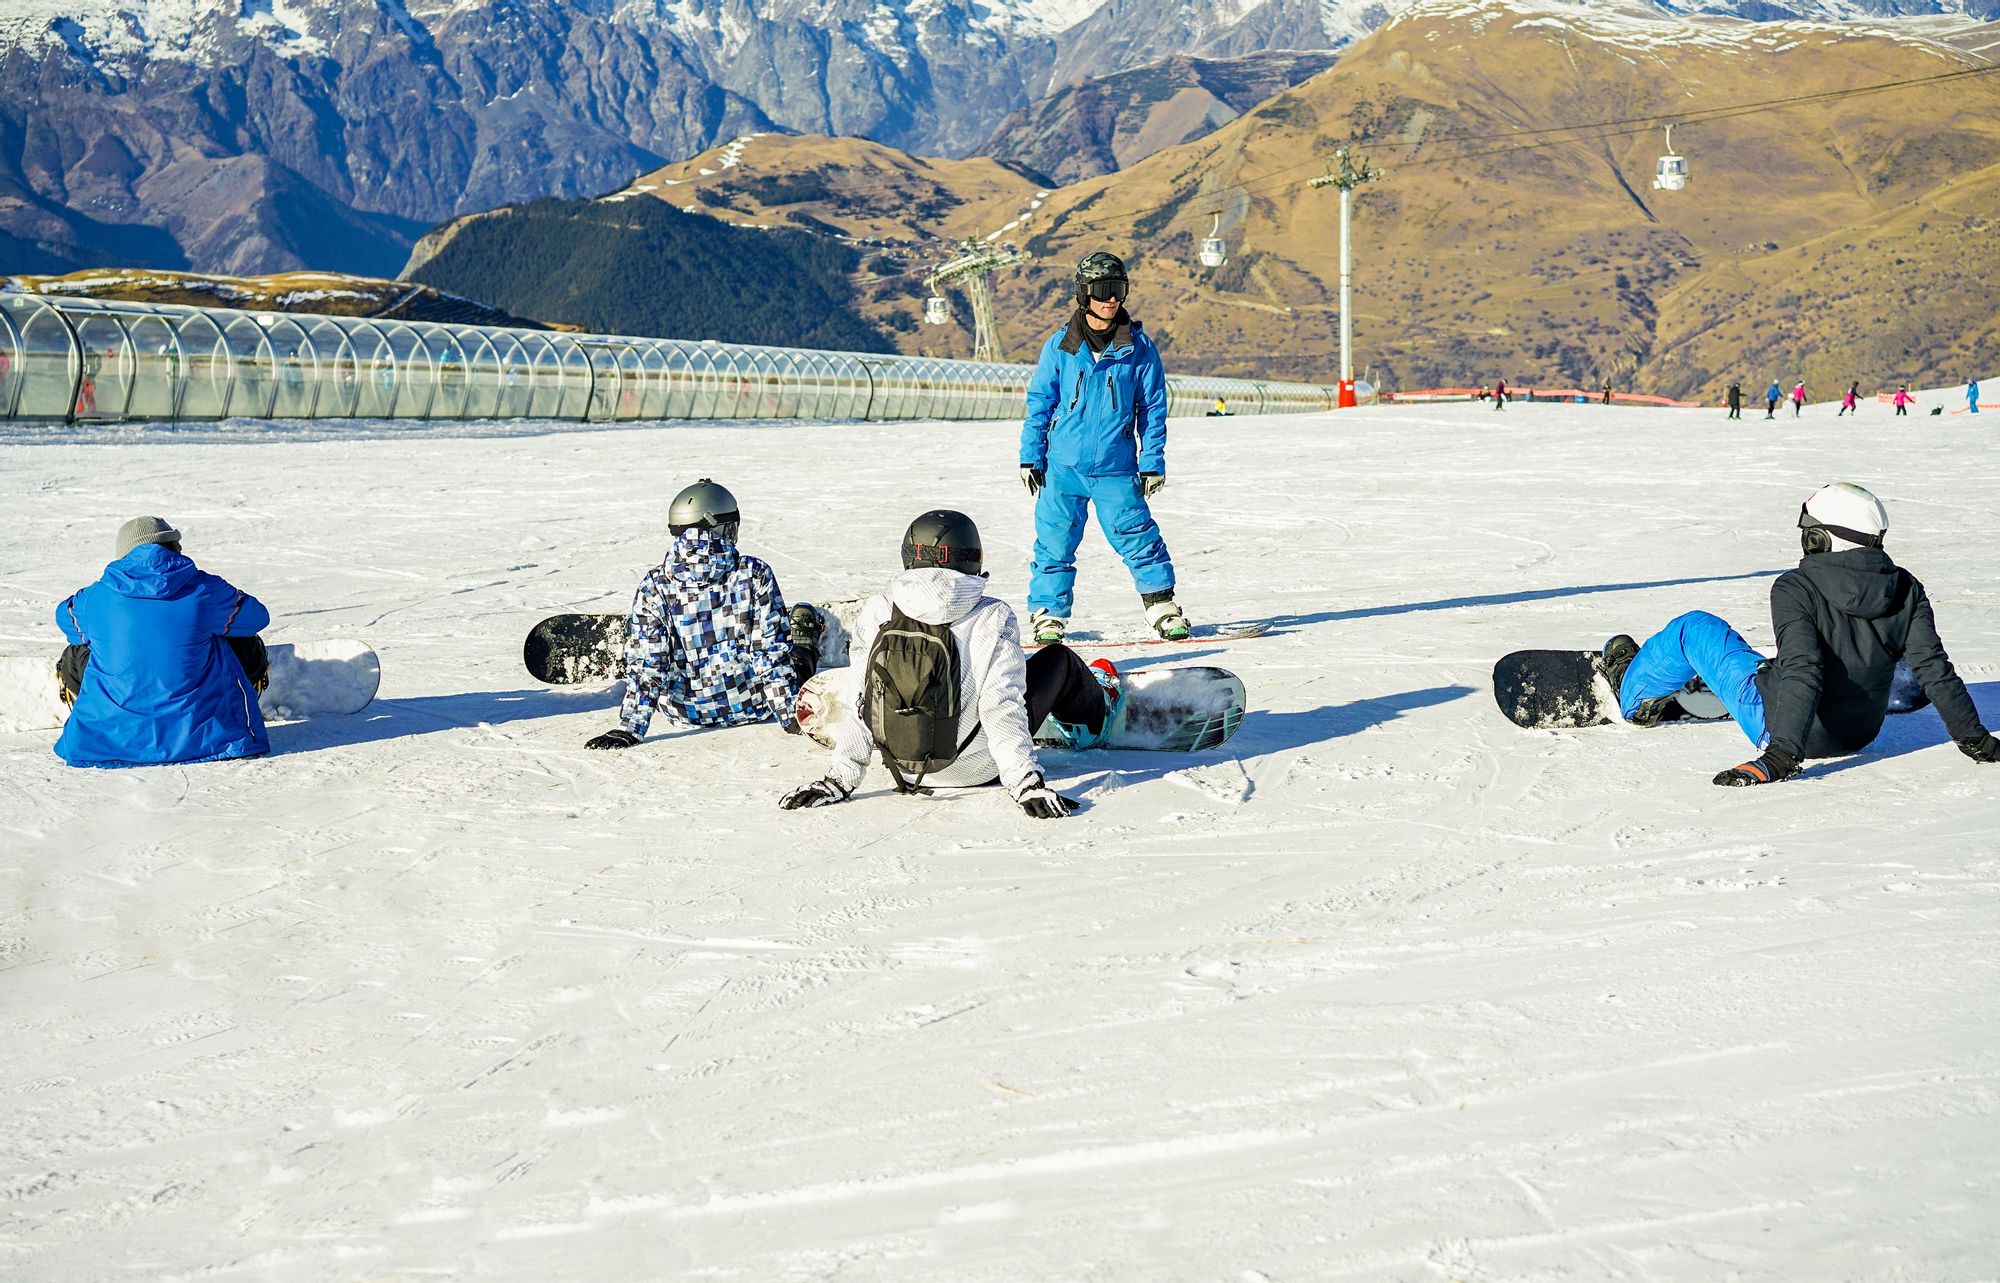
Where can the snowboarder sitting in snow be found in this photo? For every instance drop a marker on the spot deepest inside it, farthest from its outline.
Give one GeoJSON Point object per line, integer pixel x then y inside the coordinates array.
{"type": "Point", "coordinates": [164, 663]}
{"type": "Point", "coordinates": [1843, 618]}
{"type": "Point", "coordinates": [709, 640]}
{"type": "Point", "coordinates": [940, 690]}
{"type": "Point", "coordinates": [1096, 433]}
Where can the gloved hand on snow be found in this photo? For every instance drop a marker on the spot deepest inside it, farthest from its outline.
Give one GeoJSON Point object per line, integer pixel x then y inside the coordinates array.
{"type": "Point", "coordinates": [1043, 803]}
{"type": "Point", "coordinates": [1151, 483]}
{"type": "Point", "coordinates": [1032, 478]}
{"type": "Point", "coordinates": [1981, 748]}
{"type": "Point", "coordinates": [620, 738]}
{"type": "Point", "coordinates": [821, 792]}
{"type": "Point", "coordinates": [1775, 764]}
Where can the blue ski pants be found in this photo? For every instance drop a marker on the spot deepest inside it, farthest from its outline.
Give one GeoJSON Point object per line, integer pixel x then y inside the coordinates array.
{"type": "Point", "coordinates": [1699, 644]}
{"type": "Point", "coordinates": [1060, 513]}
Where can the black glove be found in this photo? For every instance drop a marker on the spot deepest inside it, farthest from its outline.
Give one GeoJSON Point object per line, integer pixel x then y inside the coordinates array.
{"type": "Point", "coordinates": [620, 738]}
{"type": "Point", "coordinates": [1151, 483]}
{"type": "Point", "coordinates": [821, 792]}
{"type": "Point", "coordinates": [1775, 764]}
{"type": "Point", "coordinates": [1043, 803]}
{"type": "Point", "coordinates": [1981, 748]}
{"type": "Point", "coordinates": [1032, 478]}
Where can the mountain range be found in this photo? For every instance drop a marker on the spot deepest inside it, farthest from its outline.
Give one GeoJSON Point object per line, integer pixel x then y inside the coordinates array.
{"type": "Point", "coordinates": [267, 135]}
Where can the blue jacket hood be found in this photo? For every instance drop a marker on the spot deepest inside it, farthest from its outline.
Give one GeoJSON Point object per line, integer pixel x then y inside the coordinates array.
{"type": "Point", "coordinates": [152, 572]}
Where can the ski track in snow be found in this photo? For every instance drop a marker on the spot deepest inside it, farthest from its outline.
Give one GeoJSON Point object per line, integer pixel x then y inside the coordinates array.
{"type": "Point", "coordinates": [1385, 989]}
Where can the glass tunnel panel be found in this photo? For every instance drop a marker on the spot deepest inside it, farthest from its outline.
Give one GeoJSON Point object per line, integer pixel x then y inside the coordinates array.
{"type": "Point", "coordinates": [448, 360]}
{"type": "Point", "coordinates": [48, 367]}
{"type": "Point", "coordinates": [482, 365]}
{"type": "Point", "coordinates": [108, 367]}
{"type": "Point", "coordinates": [298, 369]}
{"type": "Point", "coordinates": [576, 382]}
{"type": "Point", "coordinates": [604, 380]}
{"type": "Point", "coordinates": [653, 405]}
{"type": "Point", "coordinates": [339, 383]}
{"type": "Point", "coordinates": [631, 382]}
{"type": "Point", "coordinates": [546, 377]}
{"type": "Point", "coordinates": [680, 382]}
{"type": "Point", "coordinates": [415, 379]}
{"type": "Point", "coordinates": [787, 373]}
{"type": "Point", "coordinates": [516, 376]}
{"type": "Point", "coordinates": [207, 372]}
{"type": "Point", "coordinates": [11, 365]}
{"type": "Point", "coordinates": [375, 372]}
{"type": "Point", "coordinates": [253, 382]}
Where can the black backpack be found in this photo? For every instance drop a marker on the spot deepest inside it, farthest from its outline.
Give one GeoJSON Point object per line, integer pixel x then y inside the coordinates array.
{"type": "Point", "coordinates": [910, 698]}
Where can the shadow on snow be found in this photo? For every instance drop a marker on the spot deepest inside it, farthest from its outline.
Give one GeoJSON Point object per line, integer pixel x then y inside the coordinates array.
{"type": "Point", "coordinates": [1280, 623]}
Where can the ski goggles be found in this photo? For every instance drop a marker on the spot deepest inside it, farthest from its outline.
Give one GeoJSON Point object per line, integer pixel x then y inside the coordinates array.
{"type": "Point", "coordinates": [1809, 522]}
{"type": "Point", "coordinates": [1103, 290]}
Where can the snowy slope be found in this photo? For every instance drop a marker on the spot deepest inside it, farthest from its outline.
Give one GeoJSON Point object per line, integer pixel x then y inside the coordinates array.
{"type": "Point", "coordinates": [1387, 990]}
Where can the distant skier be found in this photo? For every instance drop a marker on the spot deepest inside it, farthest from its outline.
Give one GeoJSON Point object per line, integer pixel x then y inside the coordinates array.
{"type": "Point", "coordinates": [1607, 394]}
{"type": "Point", "coordinates": [1500, 395]}
{"type": "Point", "coordinates": [1843, 618]}
{"type": "Point", "coordinates": [1772, 395]}
{"type": "Point", "coordinates": [709, 642]}
{"type": "Point", "coordinates": [1972, 396]}
{"type": "Point", "coordinates": [1851, 401]}
{"type": "Point", "coordinates": [1798, 397]}
{"type": "Point", "coordinates": [1735, 400]}
{"type": "Point", "coordinates": [1096, 433]}
{"type": "Point", "coordinates": [164, 663]}
{"type": "Point", "coordinates": [1903, 401]}
{"type": "Point", "coordinates": [936, 623]}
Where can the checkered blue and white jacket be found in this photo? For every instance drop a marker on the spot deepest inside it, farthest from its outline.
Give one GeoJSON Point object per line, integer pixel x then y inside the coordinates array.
{"type": "Point", "coordinates": [708, 643]}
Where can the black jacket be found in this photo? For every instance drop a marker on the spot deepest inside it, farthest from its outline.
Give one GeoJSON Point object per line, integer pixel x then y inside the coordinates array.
{"type": "Point", "coordinates": [1843, 619]}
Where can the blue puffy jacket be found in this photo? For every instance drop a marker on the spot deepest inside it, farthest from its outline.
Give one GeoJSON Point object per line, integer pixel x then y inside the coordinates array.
{"type": "Point", "coordinates": [1097, 414]}
{"type": "Point", "coordinates": [162, 685]}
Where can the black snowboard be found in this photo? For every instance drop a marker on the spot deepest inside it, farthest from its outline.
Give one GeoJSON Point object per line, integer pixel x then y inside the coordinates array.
{"type": "Point", "coordinates": [564, 650]}
{"type": "Point", "coordinates": [1560, 689]}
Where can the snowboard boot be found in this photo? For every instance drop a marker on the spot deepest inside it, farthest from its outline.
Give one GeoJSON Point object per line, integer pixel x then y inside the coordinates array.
{"type": "Point", "coordinates": [1617, 656]}
{"type": "Point", "coordinates": [807, 630]}
{"type": "Point", "coordinates": [1056, 733]}
{"type": "Point", "coordinates": [1164, 614]}
{"type": "Point", "coordinates": [1046, 629]}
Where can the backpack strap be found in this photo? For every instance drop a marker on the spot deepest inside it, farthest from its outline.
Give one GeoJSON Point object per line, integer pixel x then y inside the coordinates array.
{"type": "Point", "coordinates": [915, 787]}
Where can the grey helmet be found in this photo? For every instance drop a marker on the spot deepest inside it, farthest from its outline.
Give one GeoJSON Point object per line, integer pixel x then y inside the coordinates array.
{"type": "Point", "coordinates": [1100, 267]}
{"type": "Point", "coordinates": [943, 538]}
{"type": "Point", "coordinates": [705, 506]}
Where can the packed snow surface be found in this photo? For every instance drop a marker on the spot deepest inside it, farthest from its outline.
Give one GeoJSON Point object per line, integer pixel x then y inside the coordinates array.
{"type": "Point", "coordinates": [1385, 989]}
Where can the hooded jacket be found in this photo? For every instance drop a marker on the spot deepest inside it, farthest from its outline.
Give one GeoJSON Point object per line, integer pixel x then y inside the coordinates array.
{"type": "Point", "coordinates": [708, 639]}
{"type": "Point", "coordinates": [1098, 414]}
{"type": "Point", "coordinates": [161, 685]}
{"type": "Point", "coordinates": [1843, 619]}
{"type": "Point", "coordinates": [993, 680]}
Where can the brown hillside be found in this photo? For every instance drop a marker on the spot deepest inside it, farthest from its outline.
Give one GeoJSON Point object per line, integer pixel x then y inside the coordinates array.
{"type": "Point", "coordinates": [325, 293]}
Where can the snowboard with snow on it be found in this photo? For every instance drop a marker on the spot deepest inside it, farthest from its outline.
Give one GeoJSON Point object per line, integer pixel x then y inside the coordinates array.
{"type": "Point", "coordinates": [566, 650]}
{"type": "Point", "coordinates": [1564, 689]}
{"type": "Point", "coordinates": [1166, 710]}
{"type": "Point", "coordinates": [1202, 633]}
{"type": "Point", "coordinates": [307, 679]}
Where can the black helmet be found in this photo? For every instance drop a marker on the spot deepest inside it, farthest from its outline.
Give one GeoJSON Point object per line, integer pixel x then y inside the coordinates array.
{"type": "Point", "coordinates": [943, 538]}
{"type": "Point", "coordinates": [1100, 268]}
{"type": "Point", "coordinates": [705, 506]}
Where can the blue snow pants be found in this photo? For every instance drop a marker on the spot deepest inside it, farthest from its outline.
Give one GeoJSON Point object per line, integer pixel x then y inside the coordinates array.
{"type": "Point", "coordinates": [1060, 513]}
{"type": "Point", "coordinates": [1699, 644]}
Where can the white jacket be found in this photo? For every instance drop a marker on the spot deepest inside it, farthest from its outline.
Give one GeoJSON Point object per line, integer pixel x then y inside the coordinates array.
{"type": "Point", "coordinates": [992, 672]}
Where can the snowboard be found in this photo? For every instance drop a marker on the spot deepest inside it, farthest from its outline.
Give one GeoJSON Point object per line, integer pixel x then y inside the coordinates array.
{"type": "Point", "coordinates": [1562, 689]}
{"type": "Point", "coordinates": [566, 650]}
{"type": "Point", "coordinates": [308, 679]}
{"type": "Point", "coordinates": [1210, 633]}
{"type": "Point", "coordinates": [1164, 710]}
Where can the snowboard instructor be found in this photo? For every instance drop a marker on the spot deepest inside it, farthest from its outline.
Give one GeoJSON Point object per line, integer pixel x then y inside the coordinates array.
{"type": "Point", "coordinates": [164, 663]}
{"type": "Point", "coordinates": [1843, 618]}
{"type": "Point", "coordinates": [1096, 433]}
{"type": "Point", "coordinates": [709, 642]}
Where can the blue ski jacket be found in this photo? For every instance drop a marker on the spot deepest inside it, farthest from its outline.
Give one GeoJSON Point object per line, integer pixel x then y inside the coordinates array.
{"type": "Point", "coordinates": [1098, 414]}
{"type": "Point", "coordinates": [162, 685]}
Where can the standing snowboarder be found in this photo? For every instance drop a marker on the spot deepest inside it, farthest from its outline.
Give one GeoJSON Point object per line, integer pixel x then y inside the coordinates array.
{"type": "Point", "coordinates": [1851, 400]}
{"type": "Point", "coordinates": [1843, 618]}
{"type": "Point", "coordinates": [1972, 396]}
{"type": "Point", "coordinates": [1772, 395]}
{"type": "Point", "coordinates": [934, 625]}
{"type": "Point", "coordinates": [1798, 397]}
{"type": "Point", "coordinates": [1096, 434]}
{"type": "Point", "coordinates": [1903, 401]}
{"type": "Point", "coordinates": [1500, 394]}
{"type": "Point", "coordinates": [1735, 400]}
{"type": "Point", "coordinates": [164, 663]}
{"type": "Point", "coordinates": [709, 642]}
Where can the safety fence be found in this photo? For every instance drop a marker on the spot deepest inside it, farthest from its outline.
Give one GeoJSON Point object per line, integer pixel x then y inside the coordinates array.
{"type": "Point", "coordinates": [92, 360]}
{"type": "Point", "coordinates": [1571, 395]}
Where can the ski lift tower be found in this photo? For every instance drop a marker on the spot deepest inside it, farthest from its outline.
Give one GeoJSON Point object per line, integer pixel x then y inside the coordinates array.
{"type": "Point", "coordinates": [1346, 178]}
{"type": "Point", "coordinates": [968, 269]}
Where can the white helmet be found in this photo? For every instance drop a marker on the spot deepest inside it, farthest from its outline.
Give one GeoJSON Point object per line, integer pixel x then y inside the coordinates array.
{"type": "Point", "coordinates": [1840, 517]}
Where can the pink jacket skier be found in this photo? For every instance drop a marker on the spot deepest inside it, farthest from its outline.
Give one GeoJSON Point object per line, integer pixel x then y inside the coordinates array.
{"type": "Point", "coordinates": [1798, 397]}
{"type": "Point", "coordinates": [1903, 400]}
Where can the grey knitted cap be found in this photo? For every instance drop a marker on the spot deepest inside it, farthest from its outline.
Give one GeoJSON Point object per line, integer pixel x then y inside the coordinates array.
{"type": "Point", "coordinates": [145, 530]}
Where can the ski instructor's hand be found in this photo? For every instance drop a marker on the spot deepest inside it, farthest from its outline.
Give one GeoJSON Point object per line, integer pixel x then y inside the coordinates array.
{"type": "Point", "coordinates": [1981, 748]}
{"type": "Point", "coordinates": [821, 792]}
{"type": "Point", "coordinates": [620, 738]}
{"type": "Point", "coordinates": [1151, 483]}
{"type": "Point", "coordinates": [1043, 803]}
{"type": "Point", "coordinates": [1775, 764]}
{"type": "Point", "coordinates": [1032, 478]}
